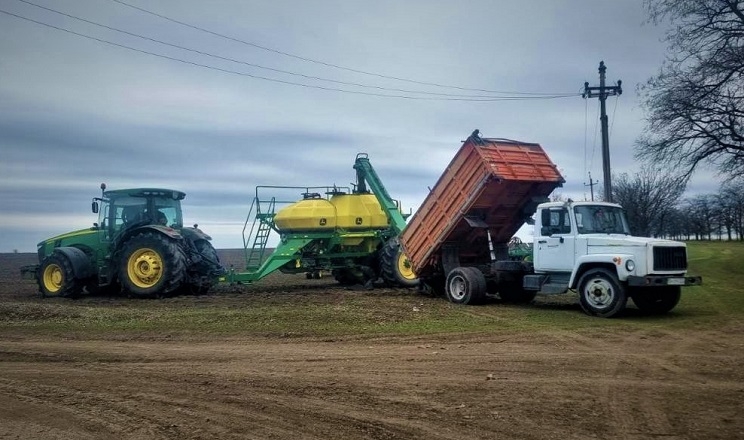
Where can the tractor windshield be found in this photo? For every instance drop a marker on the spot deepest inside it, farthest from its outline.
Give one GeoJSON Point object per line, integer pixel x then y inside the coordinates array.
{"type": "Point", "coordinates": [122, 212]}
{"type": "Point", "coordinates": [601, 219]}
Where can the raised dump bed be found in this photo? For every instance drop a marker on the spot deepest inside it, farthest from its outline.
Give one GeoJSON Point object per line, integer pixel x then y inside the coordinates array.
{"type": "Point", "coordinates": [491, 185]}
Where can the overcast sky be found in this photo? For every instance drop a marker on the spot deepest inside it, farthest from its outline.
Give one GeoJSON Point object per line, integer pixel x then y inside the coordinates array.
{"type": "Point", "coordinates": [76, 111]}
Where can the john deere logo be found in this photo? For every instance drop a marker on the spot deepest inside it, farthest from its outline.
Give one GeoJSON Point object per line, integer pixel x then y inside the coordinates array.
{"type": "Point", "coordinates": [358, 220]}
{"type": "Point", "coordinates": [322, 222]}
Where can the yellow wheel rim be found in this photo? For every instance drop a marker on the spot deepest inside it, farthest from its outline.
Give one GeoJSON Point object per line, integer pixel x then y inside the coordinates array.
{"type": "Point", "coordinates": [145, 268]}
{"type": "Point", "coordinates": [404, 267]}
{"type": "Point", "coordinates": [53, 278]}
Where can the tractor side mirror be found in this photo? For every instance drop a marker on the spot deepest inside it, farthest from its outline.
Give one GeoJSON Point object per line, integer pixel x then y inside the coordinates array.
{"type": "Point", "coordinates": [94, 207]}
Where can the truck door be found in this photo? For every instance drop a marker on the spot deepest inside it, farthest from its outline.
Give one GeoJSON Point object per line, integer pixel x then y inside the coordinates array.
{"type": "Point", "coordinates": [555, 244]}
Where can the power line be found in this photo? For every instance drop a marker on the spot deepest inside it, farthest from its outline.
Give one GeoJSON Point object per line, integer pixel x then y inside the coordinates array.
{"type": "Point", "coordinates": [123, 46]}
{"type": "Point", "coordinates": [323, 63]}
{"type": "Point", "coordinates": [252, 64]}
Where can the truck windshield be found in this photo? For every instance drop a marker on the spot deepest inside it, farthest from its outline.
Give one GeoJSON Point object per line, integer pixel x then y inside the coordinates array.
{"type": "Point", "coordinates": [601, 219]}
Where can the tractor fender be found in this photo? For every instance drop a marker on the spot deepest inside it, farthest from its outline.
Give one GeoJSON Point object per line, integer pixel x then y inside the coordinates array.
{"type": "Point", "coordinates": [81, 265]}
{"type": "Point", "coordinates": [170, 232]}
{"type": "Point", "coordinates": [165, 230]}
{"type": "Point", "coordinates": [195, 234]}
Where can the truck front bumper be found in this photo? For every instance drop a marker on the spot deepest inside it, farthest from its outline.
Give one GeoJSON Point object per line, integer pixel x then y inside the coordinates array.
{"type": "Point", "coordinates": [664, 280]}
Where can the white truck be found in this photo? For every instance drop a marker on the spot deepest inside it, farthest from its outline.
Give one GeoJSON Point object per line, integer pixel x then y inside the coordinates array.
{"type": "Point", "coordinates": [457, 242]}
{"type": "Point", "coordinates": [587, 246]}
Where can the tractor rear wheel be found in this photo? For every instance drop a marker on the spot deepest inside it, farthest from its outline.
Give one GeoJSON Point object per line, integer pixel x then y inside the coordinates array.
{"type": "Point", "coordinates": [151, 265]}
{"type": "Point", "coordinates": [207, 272]}
{"type": "Point", "coordinates": [395, 267]}
{"type": "Point", "coordinates": [57, 278]}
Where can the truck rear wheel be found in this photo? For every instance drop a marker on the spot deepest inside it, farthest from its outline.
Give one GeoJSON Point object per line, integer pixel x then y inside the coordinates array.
{"type": "Point", "coordinates": [515, 294]}
{"type": "Point", "coordinates": [466, 285]}
{"type": "Point", "coordinates": [57, 278]}
{"type": "Point", "coordinates": [151, 265]}
{"type": "Point", "coordinates": [601, 294]}
{"type": "Point", "coordinates": [656, 301]}
{"type": "Point", "coordinates": [395, 267]}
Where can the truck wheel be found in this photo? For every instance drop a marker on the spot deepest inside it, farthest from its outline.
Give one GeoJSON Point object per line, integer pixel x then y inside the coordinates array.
{"type": "Point", "coordinates": [56, 277]}
{"type": "Point", "coordinates": [510, 290]}
{"type": "Point", "coordinates": [601, 294]}
{"type": "Point", "coordinates": [658, 300]}
{"type": "Point", "coordinates": [151, 265]}
{"type": "Point", "coordinates": [515, 294]}
{"type": "Point", "coordinates": [395, 267]}
{"type": "Point", "coordinates": [466, 285]}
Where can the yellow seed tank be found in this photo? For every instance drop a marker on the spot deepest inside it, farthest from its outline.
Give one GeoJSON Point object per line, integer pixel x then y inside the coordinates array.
{"type": "Point", "coordinates": [344, 211]}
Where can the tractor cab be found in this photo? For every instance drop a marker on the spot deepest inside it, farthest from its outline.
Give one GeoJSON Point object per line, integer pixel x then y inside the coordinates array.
{"type": "Point", "coordinates": [121, 210]}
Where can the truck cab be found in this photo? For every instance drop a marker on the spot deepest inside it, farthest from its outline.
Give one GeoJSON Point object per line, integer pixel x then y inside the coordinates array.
{"type": "Point", "coordinates": [588, 246]}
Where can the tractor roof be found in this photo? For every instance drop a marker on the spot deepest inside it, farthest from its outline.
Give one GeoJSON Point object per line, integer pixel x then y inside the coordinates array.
{"type": "Point", "coordinates": [145, 192]}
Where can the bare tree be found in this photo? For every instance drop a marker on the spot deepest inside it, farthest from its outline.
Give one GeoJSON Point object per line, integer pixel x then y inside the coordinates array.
{"type": "Point", "coordinates": [649, 198]}
{"type": "Point", "coordinates": [731, 196]}
{"type": "Point", "coordinates": [695, 105]}
{"type": "Point", "coordinates": [701, 214]}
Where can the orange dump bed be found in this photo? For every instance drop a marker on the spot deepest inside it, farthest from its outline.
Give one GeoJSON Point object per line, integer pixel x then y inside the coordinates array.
{"type": "Point", "coordinates": [490, 184]}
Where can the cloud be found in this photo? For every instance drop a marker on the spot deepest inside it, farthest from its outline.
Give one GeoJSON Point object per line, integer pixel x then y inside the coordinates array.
{"type": "Point", "coordinates": [76, 112]}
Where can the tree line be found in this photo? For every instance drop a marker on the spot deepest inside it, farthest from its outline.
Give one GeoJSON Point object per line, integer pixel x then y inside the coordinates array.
{"type": "Point", "coordinates": [656, 207]}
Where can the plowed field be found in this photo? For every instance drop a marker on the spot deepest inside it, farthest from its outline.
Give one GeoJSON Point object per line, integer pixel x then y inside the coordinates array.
{"type": "Point", "coordinates": [630, 378]}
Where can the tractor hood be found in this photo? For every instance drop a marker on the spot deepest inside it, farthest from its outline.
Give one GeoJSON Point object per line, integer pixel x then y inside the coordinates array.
{"type": "Point", "coordinates": [75, 235]}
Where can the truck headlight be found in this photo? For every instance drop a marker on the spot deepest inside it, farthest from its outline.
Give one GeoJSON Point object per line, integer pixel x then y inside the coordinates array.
{"type": "Point", "coordinates": [630, 265]}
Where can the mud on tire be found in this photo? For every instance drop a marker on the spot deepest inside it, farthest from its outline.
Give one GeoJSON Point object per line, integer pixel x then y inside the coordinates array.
{"type": "Point", "coordinates": [151, 265]}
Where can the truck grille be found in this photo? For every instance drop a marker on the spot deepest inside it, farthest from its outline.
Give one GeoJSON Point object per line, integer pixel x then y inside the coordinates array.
{"type": "Point", "coordinates": [670, 258]}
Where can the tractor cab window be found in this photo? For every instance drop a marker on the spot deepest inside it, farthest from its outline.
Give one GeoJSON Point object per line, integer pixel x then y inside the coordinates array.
{"type": "Point", "coordinates": [167, 212]}
{"type": "Point", "coordinates": [128, 210]}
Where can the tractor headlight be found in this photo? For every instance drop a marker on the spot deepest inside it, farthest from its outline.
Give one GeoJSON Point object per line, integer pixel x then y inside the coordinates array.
{"type": "Point", "coordinates": [630, 265]}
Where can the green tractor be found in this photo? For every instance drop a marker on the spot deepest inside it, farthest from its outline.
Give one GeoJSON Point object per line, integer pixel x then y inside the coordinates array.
{"type": "Point", "coordinates": [138, 246]}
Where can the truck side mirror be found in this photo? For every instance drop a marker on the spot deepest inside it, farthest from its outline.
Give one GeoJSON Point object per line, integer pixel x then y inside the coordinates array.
{"type": "Point", "coordinates": [94, 207]}
{"type": "Point", "coordinates": [545, 231]}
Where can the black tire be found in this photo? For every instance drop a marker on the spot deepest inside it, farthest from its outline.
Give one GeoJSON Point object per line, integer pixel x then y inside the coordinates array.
{"type": "Point", "coordinates": [601, 294]}
{"type": "Point", "coordinates": [433, 286]}
{"type": "Point", "coordinates": [466, 285]}
{"type": "Point", "coordinates": [658, 300]}
{"type": "Point", "coordinates": [513, 292]}
{"type": "Point", "coordinates": [57, 278]}
{"type": "Point", "coordinates": [395, 267]}
{"type": "Point", "coordinates": [208, 252]}
{"type": "Point", "coordinates": [344, 277]}
{"type": "Point", "coordinates": [205, 275]}
{"type": "Point", "coordinates": [151, 265]}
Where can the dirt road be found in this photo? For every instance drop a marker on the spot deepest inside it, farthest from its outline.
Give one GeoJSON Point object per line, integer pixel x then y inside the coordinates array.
{"type": "Point", "coordinates": [564, 386]}
{"type": "Point", "coordinates": [598, 384]}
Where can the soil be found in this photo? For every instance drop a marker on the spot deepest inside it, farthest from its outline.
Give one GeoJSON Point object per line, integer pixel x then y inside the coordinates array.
{"type": "Point", "coordinates": [644, 384]}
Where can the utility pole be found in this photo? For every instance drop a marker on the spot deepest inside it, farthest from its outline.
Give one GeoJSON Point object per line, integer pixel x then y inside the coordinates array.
{"type": "Point", "coordinates": [602, 92]}
{"type": "Point", "coordinates": [591, 184]}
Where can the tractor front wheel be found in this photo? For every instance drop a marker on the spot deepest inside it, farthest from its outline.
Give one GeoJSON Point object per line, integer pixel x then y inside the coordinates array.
{"type": "Point", "coordinates": [151, 265]}
{"type": "Point", "coordinates": [56, 277]}
{"type": "Point", "coordinates": [395, 267]}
